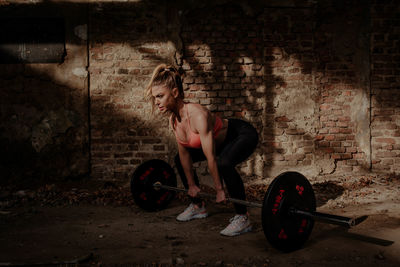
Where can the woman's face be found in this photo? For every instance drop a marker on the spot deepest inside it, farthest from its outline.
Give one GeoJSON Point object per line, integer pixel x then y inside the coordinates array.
{"type": "Point", "coordinates": [163, 98]}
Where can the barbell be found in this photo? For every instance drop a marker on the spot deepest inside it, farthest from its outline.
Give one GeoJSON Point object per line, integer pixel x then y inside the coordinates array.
{"type": "Point", "coordinates": [288, 208]}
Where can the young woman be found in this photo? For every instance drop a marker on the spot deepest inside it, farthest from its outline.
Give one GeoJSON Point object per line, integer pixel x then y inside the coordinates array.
{"type": "Point", "coordinates": [200, 136]}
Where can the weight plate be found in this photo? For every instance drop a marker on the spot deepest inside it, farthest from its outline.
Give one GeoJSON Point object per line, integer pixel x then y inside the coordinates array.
{"type": "Point", "coordinates": [283, 230]}
{"type": "Point", "coordinates": [143, 178]}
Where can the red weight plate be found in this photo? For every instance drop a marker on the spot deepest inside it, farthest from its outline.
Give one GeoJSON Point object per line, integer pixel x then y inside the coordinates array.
{"type": "Point", "coordinates": [142, 181]}
{"type": "Point", "coordinates": [282, 229]}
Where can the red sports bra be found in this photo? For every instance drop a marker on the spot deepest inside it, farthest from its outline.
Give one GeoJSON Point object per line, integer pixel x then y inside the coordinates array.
{"type": "Point", "coordinates": [194, 138]}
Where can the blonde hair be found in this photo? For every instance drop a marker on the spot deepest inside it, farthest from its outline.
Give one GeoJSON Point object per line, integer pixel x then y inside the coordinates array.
{"type": "Point", "coordinates": [166, 75]}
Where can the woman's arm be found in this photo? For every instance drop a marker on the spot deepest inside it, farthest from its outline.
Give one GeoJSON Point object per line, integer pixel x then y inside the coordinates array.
{"type": "Point", "coordinates": [187, 165]}
{"type": "Point", "coordinates": [203, 124]}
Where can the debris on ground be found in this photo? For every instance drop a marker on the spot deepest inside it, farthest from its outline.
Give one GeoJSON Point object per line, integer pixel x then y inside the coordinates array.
{"type": "Point", "coordinates": [53, 195]}
{"type": "Point", "coordinates": [109, 193]}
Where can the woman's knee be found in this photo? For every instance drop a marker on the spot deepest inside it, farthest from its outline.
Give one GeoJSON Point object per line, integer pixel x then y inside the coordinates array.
{"type": "Point", "coordinates": [227, 170]}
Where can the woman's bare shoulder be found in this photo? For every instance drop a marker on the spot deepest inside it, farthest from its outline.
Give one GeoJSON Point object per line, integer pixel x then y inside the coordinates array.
{"type": "Point", "coordinates": [194, 107]}
{"type": "Point", "coordinates": [197, 110]}
{"type": "Point", "coordinates": [200, 117]}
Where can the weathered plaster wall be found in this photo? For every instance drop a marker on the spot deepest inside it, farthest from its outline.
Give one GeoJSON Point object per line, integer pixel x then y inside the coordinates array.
{"type": "Point", "coordinates": [44, 107]}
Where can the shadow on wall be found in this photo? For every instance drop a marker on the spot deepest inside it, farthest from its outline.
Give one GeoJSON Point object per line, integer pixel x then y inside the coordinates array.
{"type": "Point", "coordinates": [225, 69]}
{"type": "Point", "coordinates": [248, 63]}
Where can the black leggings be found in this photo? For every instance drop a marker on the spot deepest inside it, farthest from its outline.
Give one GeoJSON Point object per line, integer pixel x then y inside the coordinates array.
{"type": "Point", "coordinates": [240, 142]}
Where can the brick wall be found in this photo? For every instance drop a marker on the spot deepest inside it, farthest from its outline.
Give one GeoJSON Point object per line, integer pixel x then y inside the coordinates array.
{"type": "Point", "coordinates": [290, 110]}
{"type": "Point", "coordinates": [223, 63]}
{"type": "Point", "coordinates": [385, 84]}
{"type": "Point", "coordinates": [123, 132]}
{"type": "Point", "coordinates": [298, 71]}
{"type": "Point", "coordinates": [318, 79]}
{"type": "Point", "coordinates": [251, 66]}
{"type": "Point", "coordinates": [342, 78]}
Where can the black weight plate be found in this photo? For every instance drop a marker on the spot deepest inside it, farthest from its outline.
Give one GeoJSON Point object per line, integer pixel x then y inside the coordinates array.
{"type": "Point", "coordinates": [142, 181]}
{"type": "Point", "coordinates": [283, 230]}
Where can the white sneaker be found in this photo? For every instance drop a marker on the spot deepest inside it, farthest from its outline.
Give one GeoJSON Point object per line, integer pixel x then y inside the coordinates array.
{"type": "Point", "coordinates": [192, 212]}
{"type": "Point", "coordinates": [239, 224]}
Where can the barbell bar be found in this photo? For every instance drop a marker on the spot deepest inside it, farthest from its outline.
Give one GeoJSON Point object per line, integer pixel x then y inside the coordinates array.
{"type": "Point", "coordinates": [323, 217]}
{"type": "Point", "coordinates": [328, 218]}
{"type": "Point", "coordinates": [288, 208]}
{"type": "Point", "coordinates": [206, 195]}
